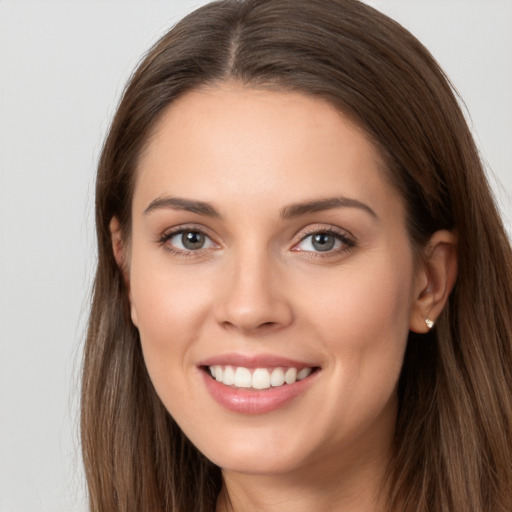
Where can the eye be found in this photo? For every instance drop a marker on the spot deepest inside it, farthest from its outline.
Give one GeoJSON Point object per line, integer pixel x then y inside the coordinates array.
{"type": "Point", "coordinates": [324, 241]}
{"type": "Point", "coordinates": [188, 240]}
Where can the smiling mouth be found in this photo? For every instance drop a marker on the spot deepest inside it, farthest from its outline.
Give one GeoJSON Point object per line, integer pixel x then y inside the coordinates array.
{"type": "Point", "coordinates": [257, 378]}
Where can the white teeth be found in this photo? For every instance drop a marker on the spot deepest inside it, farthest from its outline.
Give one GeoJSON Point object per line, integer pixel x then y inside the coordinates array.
{"type": "Point", "coordinates": [228, 377]}
{"type": "Point", "coordinates": [259, 378]}
{"type": "Point", "coordinates": [290, 376]}
{"type": "Point", "coordinates": [243, 378]}
{"type": "Point", "coordinates": [301, 374]}
{"type": "Point", "coordinates": [277, 377]}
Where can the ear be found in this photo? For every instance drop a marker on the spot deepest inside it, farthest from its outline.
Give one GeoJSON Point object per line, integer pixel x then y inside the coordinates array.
{"type": "Point", "coordinates": [434, 280]}
{"type": "Point", "coordinates": [119, 250]}
{"type": "Point", "coordinates": [118, 244]}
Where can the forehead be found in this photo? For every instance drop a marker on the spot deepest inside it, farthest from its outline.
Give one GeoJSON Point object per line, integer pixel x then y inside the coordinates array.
{"type": "Point", "coordinates": [229, 141]}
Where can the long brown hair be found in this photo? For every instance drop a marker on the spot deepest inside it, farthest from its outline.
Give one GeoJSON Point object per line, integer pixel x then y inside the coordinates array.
{"type": "Point", "coordinates": [453, 443]}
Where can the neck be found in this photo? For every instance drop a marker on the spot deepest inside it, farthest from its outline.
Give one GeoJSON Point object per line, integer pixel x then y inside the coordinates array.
{"type": "Point", "coordinates": [357, 487]}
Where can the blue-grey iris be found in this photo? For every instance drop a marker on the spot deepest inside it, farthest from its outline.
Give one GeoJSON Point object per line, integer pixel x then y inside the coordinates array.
{"type": "Point", "coordinates": [192, 240]}
{"type": "Point", "coordinates": [323, 241]}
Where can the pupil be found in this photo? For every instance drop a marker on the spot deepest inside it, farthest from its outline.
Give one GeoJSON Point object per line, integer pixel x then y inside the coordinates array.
{"type": "Point", "coordinates": [323, 242]}
{"type": "Point", "coordinates": [192, 240]}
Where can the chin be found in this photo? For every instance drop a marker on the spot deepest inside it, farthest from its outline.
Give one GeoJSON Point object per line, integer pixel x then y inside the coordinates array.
{"type": "Point", "coordinates": [256, 460]}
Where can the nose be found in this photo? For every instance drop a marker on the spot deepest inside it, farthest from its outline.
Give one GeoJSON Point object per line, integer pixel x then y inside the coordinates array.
{"type": "Point", "coordinates": [254, 296]}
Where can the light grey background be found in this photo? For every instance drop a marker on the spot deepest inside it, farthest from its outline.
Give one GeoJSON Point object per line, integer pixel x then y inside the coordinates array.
{"type": "Point", "coordinates": [63, 65]}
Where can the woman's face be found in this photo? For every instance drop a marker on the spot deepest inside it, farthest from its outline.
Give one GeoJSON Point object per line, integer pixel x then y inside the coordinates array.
{"type": "Point", "coordinates": [267, 246]}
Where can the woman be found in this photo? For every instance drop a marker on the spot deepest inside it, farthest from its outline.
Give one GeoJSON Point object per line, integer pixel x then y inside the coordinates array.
{"type": "Point", "coordinates": [303, 289]}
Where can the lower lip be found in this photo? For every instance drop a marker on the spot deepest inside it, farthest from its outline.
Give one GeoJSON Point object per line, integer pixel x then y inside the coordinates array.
{"type": "Point", "coordinates": [251, 401]}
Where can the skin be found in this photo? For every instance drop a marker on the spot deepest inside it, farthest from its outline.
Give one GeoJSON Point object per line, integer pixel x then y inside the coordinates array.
{"type": "Point", "coordinates": [259, 286]}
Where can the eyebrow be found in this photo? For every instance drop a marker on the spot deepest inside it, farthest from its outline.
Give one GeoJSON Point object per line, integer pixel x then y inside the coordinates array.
{"type": "Point", "coordinates": [288, 212]}
{"type": "Point", "coordinates": [295, 210]}
{"type": "Point", "coordinates": [178, 203]}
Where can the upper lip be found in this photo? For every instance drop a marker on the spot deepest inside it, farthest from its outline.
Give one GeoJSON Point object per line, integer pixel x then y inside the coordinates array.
{"type": "Point", "coordinates": [255, 361]}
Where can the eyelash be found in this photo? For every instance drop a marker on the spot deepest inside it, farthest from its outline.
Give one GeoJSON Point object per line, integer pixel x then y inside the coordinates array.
{"type": "Point", "coordinates": [348, 242]}
{"type": "Point", "coordinates": [164, 239]}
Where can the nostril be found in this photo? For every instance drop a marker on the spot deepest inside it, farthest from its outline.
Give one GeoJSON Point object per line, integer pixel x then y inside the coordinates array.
{"type": "Point", "coordinates": [255, 326]}
{"type": "Point", "coordinates": [253, 312]}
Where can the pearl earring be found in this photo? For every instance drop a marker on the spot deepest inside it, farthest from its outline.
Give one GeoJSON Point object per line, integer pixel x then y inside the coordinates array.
{"type": "Point", "coordinates": [430, 323]}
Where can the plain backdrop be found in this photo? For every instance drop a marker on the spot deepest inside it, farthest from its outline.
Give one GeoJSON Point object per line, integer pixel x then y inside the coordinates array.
{"type": "Point", "coordinates": [63, 65]}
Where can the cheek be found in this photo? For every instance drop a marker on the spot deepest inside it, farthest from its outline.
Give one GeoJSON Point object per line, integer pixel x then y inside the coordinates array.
{"type": "Point", "coordinates": [367, 298]}
{"type": "Point", "coordinates": [169, 316]}
{"type": "Point", "coordinates": [377, 309]}
{"type": "Point", "coordinates": [170, 307]}
{"type": "Point", "coordinates": [364, 322]}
